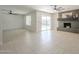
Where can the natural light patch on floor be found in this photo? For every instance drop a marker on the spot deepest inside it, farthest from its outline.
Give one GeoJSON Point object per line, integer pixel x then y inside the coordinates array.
{"type": "Point", "coordinates": [22, 41]}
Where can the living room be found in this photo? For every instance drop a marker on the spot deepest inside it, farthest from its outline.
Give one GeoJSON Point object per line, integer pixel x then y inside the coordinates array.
{"type": "Point", "coordinates": [36, 29]}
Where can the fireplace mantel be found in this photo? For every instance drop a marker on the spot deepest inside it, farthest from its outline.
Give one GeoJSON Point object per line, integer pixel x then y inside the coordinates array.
{"type": "Point", "coordinates": [68, 21]}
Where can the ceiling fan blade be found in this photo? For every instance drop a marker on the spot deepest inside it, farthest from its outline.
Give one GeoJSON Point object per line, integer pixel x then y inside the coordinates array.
{"type": "Point", "coordinates": [55, 7]}
{"type": "Point", "coordinates": [4, 10]}
{"type": "Point", "coordinates": [15, 14]}
{"type": "Point", "coordinates": [5, 13]}
{"type": "Point", "coordinates": [61, 8]}
{"type": "Point", "coordinates": [9, 12]}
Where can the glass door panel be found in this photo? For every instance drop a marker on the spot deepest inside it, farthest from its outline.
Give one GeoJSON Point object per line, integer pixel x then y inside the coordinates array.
{"type": "Point", "coordinates": [46, 23]}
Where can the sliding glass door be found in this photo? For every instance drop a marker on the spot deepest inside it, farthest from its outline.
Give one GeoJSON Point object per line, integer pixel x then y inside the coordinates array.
{"type": "Point", "coordinates": [46, 23]}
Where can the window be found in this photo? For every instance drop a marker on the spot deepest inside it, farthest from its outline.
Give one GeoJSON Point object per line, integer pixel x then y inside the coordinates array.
{"type": "Point", "coordinates": [28, 20]}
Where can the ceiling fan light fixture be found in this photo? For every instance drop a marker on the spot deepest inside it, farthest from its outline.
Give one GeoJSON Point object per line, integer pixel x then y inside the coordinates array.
{"type": "Point", "coordinates": [57, 8]}
{"type": "Point", "coordinates": [10, 12]}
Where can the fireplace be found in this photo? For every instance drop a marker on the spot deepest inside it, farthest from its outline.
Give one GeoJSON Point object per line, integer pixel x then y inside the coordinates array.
{"type": "Point", "coordinates": [67, 25]}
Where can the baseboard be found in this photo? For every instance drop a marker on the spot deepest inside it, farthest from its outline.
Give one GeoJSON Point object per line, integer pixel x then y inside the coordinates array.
{"type": "Point", "coordinates": [12, 29]}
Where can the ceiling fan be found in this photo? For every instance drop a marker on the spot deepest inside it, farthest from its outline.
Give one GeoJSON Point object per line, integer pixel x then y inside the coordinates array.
{"type": "Point", "coordinates": [11, 12]}
{"type": "Point", "coordinates": [57, 8]}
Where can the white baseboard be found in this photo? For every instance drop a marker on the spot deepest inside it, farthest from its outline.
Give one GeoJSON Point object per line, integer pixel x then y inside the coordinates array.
{"type": "Point", "coordinates": [12, 29]}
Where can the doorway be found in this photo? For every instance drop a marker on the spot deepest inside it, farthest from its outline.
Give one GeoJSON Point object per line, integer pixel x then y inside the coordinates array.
{"type": "Point", "coordinates": [46, 23]}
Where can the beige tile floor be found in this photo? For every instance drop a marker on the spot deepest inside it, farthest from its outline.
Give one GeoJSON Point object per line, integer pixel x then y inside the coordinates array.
{"type": "Point", "coordinates": [45, 42]}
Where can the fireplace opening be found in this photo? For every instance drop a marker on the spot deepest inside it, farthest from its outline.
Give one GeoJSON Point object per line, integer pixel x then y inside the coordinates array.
{"type": "Point", "coordinates": [67, 25]}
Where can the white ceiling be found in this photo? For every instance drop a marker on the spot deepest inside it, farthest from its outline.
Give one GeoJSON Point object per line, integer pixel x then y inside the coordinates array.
{"type": "Point", "coordinates": [48, 8]}
{"type": "Point", "coordinates": [23, 9]}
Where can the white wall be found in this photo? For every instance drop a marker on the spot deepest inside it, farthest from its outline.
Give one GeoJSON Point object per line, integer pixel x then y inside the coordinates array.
{"type": "Point", "coordinates": [11, 21]}
{"type": "Point", "coordinates": [37, 21]}
{"type": "Point", "coordinates": [32, 27]}
{"type": "Point", "coordinates": [1, 32]}
{"type": "Point", "coordinates": [54, 22]}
